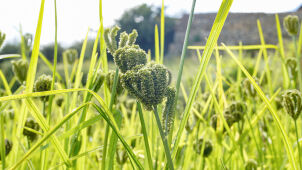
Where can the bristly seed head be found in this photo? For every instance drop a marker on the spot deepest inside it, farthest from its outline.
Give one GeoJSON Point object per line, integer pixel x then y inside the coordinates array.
{"type": "Point", "coordinates": [20, 68]}
{"type": "Point", "coordinates": [291, 24]}
{"type": "Point", "coordinates": [30, 123]}
{"type": "Point", "coordinates": [71, 55]}
{"type": "Point", "coordinates": [208, 147]}
{"type": "Point", "coordinates": [99, 80]}
{"type": "Point", "coordinates": [292, 102]}
{"type": "Point", "coordinates": [43, 83]}
{"type": "Point", "coordinates": [251, 164]}
{"type": "Point", "coordinates": [8, 147]}
{"type": "Point", "coordinates": [291, 64]}
{"type": "Point", "coordinates": [249, 88]}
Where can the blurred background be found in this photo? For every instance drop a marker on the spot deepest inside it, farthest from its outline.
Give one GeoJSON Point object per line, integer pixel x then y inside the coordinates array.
{"type": "Point", "coordinates": [75, 17]}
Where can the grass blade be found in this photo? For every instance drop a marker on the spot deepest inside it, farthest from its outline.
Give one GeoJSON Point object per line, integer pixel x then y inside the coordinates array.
{"type": "Point", "coordinates": [286, 81]}
{"type": "Point", "coordinates": [162, 33]}
{"type": "Point", "coordinates": [212, 41]}
{"type": "Point", "coordinates": [285, 139]}
{"type": "Point", "coordinates": [6, 56]}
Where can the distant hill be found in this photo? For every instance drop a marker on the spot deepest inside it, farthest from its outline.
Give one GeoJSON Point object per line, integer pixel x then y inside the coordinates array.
{"type": "Point", "coordinates": [238, 27]}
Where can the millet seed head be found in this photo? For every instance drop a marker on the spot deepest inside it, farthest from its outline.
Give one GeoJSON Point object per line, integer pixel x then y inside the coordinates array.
{"type": "Point", "coordinates": [71, 55]}
{"type": "Point", "coordinates": [292, 102]}
{"type": "Point", "coordinates": [43, 83]}
{"type": "Point", "coordinates": [291, 24]}
{"type": "Point", "coordinates": [251, 164]}
{"type": "Point", "coordinates": [20, 68]}
{"type": "Point", "coordinates": [30, 123]}
{"type": "Point", "coordinates": [291, 64]}
{"type": "Point", "coordinates": [8, 147]}
{"type": "Point", "coordinates": [208, 147]}
{"type": "Point", "coordinates": [99, 80]}
{"type": "Point", "coordinates": [109, 82]}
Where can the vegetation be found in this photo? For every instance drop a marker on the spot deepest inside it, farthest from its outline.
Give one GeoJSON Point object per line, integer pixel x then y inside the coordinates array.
{"type": "Point", "coordinates": [217, 111]}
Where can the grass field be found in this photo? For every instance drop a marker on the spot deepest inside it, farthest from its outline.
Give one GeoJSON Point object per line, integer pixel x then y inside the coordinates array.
{"type": "Point", "coordinates": [223, 108]}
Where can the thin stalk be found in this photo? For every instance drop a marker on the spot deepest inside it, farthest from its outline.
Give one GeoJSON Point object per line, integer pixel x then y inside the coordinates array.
{"type": "Point", "coordinates": [164, 139]}
{"type": "Point", "coordinates": [299, 151]}
{"type": "Point", "coordinates": [2, 140]}
{"type": "Point", "coordinates": [299, 63]}
{"type": "Point", "coordinates": [44, 151]}
{"type": "Point", "coordinates": [107, 130]}
{"type": "Point", "coordinates": [182, 60]}
{"type": "Point", "coordinates": [141, 117]}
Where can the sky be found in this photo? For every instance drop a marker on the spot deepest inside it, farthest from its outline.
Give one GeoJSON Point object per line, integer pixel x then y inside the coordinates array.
{"type": "Point", "coordinates": [76, 16]}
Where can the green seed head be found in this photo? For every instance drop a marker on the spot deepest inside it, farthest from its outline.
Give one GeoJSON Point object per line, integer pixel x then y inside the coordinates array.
{"type": "Point", "coordinates": [121, 156]}
{"type": "Point", "coordinates": [60, 101]}
{"type": "Point", "coordinates": [30, 123]}
{"type": "Point", "coordinates": [28, 38]}
{"type": "Point", "coordinates": [8, 147]}
{"type": "Point", "coordinates": [169, 111]}
{"type": "Point", "coordinates": [291, 24]}
{"type": "Point", "coordinates": [109, 82]}
{"type": "Point", "coordinates": [235, 112]}
{"type": "Point", "coordinates": [249, 88]}
{"type": "Point", "coordinates": [110, 39]}
{"type": "Point", "coordinates": [127, 55]}
{"type": "Point", "coordinates": [2, 38]}
{"type": "Point", "coordinates": [208, 147]}
{"type": "Point", "coordinates": [292, 103]}
{"type": "Point", "coordinates": [123, 40]}
{"type": "Point", "coordinates": [71, 55]}
{"type": "Point", "coordinates": [132, 37]}
{"type": "Point", "coordinates": [291, 64]}
{"type": "Point", "coordinates": [20, 68]}
{"type": "Point", "coordinates": [98, 81]}
{"type": "Point", "coordinates": [43, 83]}
{"type": "Point", "coordinates": [251, 164]}
{"type": "Point", "coordinates": [149, 83]}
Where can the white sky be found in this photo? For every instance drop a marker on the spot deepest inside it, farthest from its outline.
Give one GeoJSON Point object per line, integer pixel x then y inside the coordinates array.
{"type": "Point", "coordinates": [75, 16]}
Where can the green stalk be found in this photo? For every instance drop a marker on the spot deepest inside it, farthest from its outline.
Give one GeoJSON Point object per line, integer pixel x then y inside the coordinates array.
{"type": "Point", "coordinates": [212, 41]}
{"type": "Point", "coordinates": [141, 117]}
{"type": "Point", "coordinates": [45, 152]}
{"type": "Point", "coordinates": [299, 150]}
{"type": "Point", "coordinates": [272, 110]}
{"type": "Point", "coordinates": [107, 130]}
{"type": "Point", "coordinates": [164, 139]}
{"type": "Point", "coordinates": [182, 61]}
{"type": "Point", "coordinates": [299, 62]}
{"type": "Point", "coordinates": [2, 138]}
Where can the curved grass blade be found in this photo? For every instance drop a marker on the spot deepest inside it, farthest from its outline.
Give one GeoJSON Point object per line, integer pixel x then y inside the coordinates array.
{"type": "Point", "coordinates": [212, 41]}
{"type": "Point", "coordinates": [47, 136]}
{"type": "Point", "coordinates": [285, 139]}
{"type": "Point", "coordinates": [6, 56]}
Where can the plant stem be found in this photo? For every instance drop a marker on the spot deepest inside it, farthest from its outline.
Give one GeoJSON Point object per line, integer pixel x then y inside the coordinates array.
{"type": "Point", "coordinates": [2, 140]}
{"type": "Point", "coordinates": [299, 63]}
{"type": "Point", "coordinates": [299, 151]}
{"type": "Point", "coordinates": [141, 116]}
{"type": "Point", "coordinates": [107, 131]}
{"type": "Point", "coordinates": [164, 139]}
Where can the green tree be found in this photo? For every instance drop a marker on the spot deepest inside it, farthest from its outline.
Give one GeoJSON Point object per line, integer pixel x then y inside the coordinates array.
{"type": "Point", "coordinates": [143, 18]}
{"type": "Point", "coordinates": [48, 51]}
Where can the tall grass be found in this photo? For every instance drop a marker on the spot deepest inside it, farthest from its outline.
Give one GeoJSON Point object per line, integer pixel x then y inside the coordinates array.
{"type": "Point", "coordinates": [108, 129]}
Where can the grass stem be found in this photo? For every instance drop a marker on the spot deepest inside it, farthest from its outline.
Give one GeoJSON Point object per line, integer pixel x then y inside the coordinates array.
{"type": "Point", "coordinates": [164, 139]}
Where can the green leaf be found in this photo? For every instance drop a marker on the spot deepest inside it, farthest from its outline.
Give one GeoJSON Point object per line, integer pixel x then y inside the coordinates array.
{"type": "Point", "coordinates": [212, 41]}
{"type": "Point", "coordinates": [285, 139]}
{"type": "Point", "coordinates": [5, 56]}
